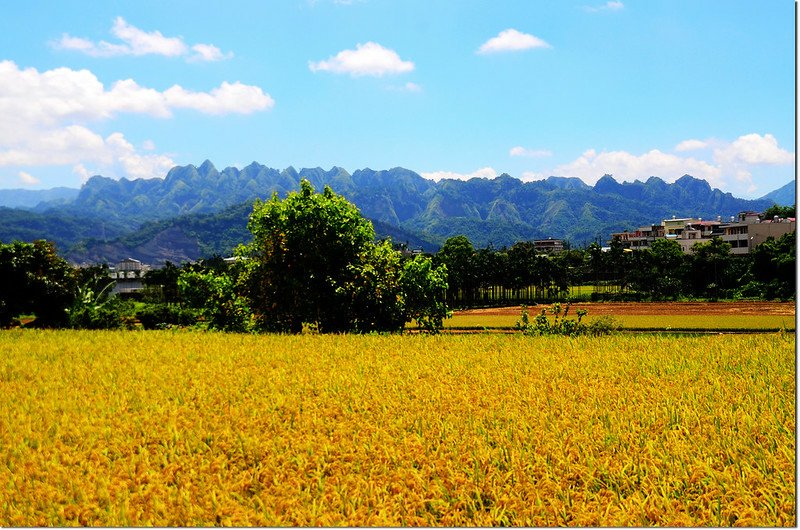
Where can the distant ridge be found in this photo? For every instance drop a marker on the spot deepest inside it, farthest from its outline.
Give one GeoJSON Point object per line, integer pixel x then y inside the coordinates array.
{"type": "Point", "coordinates": [199, 201]}
{"type": "Point", "coordinates": [22, 198]}
{"type": "Point", "coordinates": [783, 196]}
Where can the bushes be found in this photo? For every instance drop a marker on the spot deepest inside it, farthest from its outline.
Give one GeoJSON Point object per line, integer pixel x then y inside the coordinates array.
{"type": "Point", "coordinates": [96, 311]}
{"type": "Point", "coordinates": [561, 325]}
{"type": "Point", "coordinates": [160, 316]}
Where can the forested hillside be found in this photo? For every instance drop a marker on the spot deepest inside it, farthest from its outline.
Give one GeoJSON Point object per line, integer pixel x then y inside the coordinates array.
{"type": "Point", "coordinates": [195, 210]}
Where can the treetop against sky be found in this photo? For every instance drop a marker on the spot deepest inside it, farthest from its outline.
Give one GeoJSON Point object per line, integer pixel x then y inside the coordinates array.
{"type": "Point", "coordinates": [448, 89]}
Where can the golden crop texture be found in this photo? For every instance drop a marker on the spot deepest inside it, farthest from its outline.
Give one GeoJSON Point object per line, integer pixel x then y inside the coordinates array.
{"type": "Point", "coordinates": [189, 428]}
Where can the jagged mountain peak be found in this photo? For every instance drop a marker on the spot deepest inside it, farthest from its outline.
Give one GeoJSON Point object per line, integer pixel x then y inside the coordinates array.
{"type": "Point", "coordinates": [206, 167]}
{"type": "Point", "coordinates": [566, 182]}
{"type": "Point", "coordinates": [502, 210]}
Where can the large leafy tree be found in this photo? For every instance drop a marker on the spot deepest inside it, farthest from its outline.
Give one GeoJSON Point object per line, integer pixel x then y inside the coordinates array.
{"type": "Point", "coordinates": [300, 258]}
{"type": "Point", "coordinates": [34, 279]}
{"type": "Point", "coordinates": [313, 260]}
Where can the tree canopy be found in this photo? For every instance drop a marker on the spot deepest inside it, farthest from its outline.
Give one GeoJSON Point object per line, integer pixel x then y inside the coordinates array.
{"type": "Point", "coordinates": [313, 260]}
{"type": "Point", "coordinates": [34, 280]}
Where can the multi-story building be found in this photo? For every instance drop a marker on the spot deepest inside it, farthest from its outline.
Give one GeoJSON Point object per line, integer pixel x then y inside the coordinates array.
{"type": "Point", "coordinates": [128, 274]}
{"type": "Point", "coordinates": [747, 234]}
{"type": "Point", "coordinates": [640, 238]}
{"type": "Point", "coordinates": [743, 234]}
{"type": "Point", "coordinates": [548, 246]}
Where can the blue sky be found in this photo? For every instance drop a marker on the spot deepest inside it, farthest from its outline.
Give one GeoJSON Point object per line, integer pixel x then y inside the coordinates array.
{"type": "Point", "coordinates": [450, 89]}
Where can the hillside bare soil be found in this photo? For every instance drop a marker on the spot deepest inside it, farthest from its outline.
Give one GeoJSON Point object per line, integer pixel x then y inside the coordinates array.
{"type": "Point", "coordinates": [658, 308]}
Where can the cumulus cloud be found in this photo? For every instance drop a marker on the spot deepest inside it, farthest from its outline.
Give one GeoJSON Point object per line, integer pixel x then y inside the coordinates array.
{"type": "Point", "coordinates": [137, 42]}
{"type": "Point", "coordinates": [529, 153]}
{"type": "Point", "coordinates": [228, 98]}
{"type": "Point", "coordinates": [725, 164]}
{"type": "Point", "coordinates": [47, 117]}
{"type": "Point", "coordinates": [367, 59]}
{"type": "Point", "coordinates": [486, 172]}
{"type": "Point", "coordinates": [511, 40]}
{"type": "Point", "coordinates": [753, 149]}
{"type": "Point", "coordinates": [62, 95]}
{"type": "Point", "coordinates": [591, 165]}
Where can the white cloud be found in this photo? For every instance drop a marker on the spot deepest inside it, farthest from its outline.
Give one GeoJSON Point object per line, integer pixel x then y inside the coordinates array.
{"type": "Point", "coordinates": [691, 145]}
{"type": "Point", "coordinates": [754, 149]}
{"type": "Point", "coordinates": [47, 116]}
{"type": "Point", "coordinates": [65, 95]}
{"type": "Point", "coordinates": [144, 43]}
{"type": "Point", "coordinates": [228, 98]}
{"type": "Point", "coordinates": [529, 153]}
{"type": "Point", "coordinates": [137, 42]}
{"type": "Point", "coordinates": [26, 179]}
{"type": "Point", "coordinates": [613, 5]}
{"type": "Point", "coordinates": [133, 164]}
{"type": "Point", "coordinates": [624, 166]}
{"type": "Point", "coordinates": [486, 172]}
{"type": "Point", "coordinates": [208, 52]}
{"type": "Point", "coordinates": [367, 59]}
{"type": "Point", "coordinates": [528, 176]}
{"type": "Point", "coordinates": [511, 40]}
{"type": "Point", "coordinates": [81, 171]}
{"type": "Point", "coordinates": [724, 164]}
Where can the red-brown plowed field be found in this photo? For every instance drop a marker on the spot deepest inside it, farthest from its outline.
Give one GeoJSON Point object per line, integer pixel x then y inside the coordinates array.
{"type": "Point", "coordinates": [659, 308]}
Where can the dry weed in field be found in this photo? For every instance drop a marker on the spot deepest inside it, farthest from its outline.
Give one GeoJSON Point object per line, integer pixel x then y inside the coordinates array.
{"type": "Point", "coordinates": [169, 429]}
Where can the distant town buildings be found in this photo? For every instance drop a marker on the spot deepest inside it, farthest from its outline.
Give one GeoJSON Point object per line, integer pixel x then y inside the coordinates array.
{"type": "Point", "coordinates": [743, 234]}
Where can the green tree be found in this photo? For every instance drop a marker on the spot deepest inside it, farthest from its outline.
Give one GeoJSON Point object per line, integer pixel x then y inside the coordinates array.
{"type": "Point", "coordinates": [300, 259]}
{"type": "Point", "coordinates": [774, 265]}
{"type": "Point", "coordinates": [313, 260]}
{"type": "Point", "coordinates": [375, 293]}
{"type": "Point", "coordinates": [164, 281]}
{"type": "Point", "coordinates": [523, 268]}
{"type": "Point", "coordinates": [780, 211]}
{"type": "Point", "coordinates": [458, 255]}
{"type": "Point", "coordinates": [711, 265]}
{"type": "Point", "coordinates": [424, 286]}
{"type": "Point", "coordinates": [216, 296]}
{"type": "Point", "coordinates": [34, 279]}
{"type": "Point", "coordinates": [94, 277]}
{"type": "Point", "coordinates": [668, 268]}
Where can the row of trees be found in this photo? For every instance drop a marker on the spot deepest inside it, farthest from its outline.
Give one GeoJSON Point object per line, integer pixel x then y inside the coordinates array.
{"type": "Point", "coordinates": [313, 262]}
{"type": "Point", "coordinates": [660, 272]}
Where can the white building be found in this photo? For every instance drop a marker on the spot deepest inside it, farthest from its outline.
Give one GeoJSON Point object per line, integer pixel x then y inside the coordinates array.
{"type": "Point", "coordinates": [128, 275]}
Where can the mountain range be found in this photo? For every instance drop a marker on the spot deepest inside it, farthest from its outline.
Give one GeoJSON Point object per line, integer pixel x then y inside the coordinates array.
{"type": "Point", "coordinates": [197, 211]}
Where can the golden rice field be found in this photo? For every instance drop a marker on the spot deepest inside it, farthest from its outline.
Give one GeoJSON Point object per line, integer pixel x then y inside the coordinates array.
{"type": "Point", "coordinates": [190, 428]}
